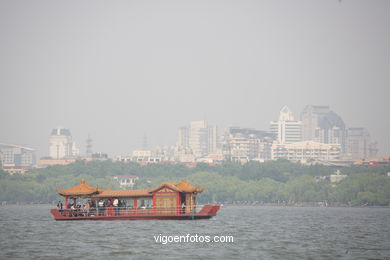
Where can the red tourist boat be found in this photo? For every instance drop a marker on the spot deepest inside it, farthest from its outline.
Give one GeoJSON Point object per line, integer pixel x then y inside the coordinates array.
{"type": "Point", "coordinates": [166, 201]}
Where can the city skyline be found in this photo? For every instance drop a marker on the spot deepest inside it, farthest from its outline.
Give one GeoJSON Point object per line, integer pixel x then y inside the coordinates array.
{"type": "Point", "coordinates": [119, 72]}
{"type": "Point", "coordinates": [199, 139]}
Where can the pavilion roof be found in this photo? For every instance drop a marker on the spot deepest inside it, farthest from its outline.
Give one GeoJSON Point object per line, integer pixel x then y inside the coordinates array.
{"type": "Point", "coordinates": [188, 187]}
{"type": "Point", "coordinates": [123, 194]}
{"type": "Point", "coordinates": [183, 186]}
{"type": "Point", "coordinates": [84, 190]}
{"type": "Point", "coordinates": [170, 185]}
{"type": "Point", "coordinates": [80, 190]}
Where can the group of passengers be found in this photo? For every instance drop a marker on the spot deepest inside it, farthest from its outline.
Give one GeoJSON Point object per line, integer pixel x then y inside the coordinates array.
{"type": "Point", "coordinates": [107, 207]}
{"type": "Point", "coordinates": [94, 207]}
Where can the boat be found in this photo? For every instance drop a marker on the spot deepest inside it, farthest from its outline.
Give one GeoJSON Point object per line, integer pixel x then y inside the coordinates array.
{"type": "Point", "coordinates": [168, 201]}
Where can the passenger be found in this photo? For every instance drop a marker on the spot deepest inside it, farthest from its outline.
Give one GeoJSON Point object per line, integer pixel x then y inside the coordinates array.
{"type": "Point", "coordinates": [78, 210]}
{"type": "Point", "coordinates": [93, 207]}
{"type": "Point", "coordinates": [73, 211]}
{"type": "Point", "coordinates": [87, 208]}
{"type": "Point", "coordinates": [183, 208]}
{"type": "Point", "coordinates": [121, 206]}
{"type": "Point", "coordinates": [115, 203]}
{"type": "Point", "coordinates": [109, 208]}
{"type": "Point", "coordinates": [101, 208]}
{"type": "Point", "coordinates": [59, 205]}
{"type": "Point", "coordinates": [68, 209]}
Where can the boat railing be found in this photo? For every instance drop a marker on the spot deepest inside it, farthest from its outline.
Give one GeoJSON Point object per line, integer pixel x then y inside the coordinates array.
{"type": "Point", "coordinates": [130, 211]}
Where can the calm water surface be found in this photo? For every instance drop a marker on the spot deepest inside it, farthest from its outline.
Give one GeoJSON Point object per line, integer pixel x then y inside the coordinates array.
{"type": "Point", "coordinates": [29, 232]}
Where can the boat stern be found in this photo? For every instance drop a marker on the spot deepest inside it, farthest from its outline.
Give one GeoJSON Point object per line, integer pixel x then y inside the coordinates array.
{"type": "Point", "coordinates": [210, 210]}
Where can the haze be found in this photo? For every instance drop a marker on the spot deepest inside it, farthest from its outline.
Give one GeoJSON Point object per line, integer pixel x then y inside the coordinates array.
{"type": "Point", "coordinates": [122, 69]}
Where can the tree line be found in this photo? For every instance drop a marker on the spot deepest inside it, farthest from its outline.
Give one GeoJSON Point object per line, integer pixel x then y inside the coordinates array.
{"type": "Point", "coordinates": [278, 181]}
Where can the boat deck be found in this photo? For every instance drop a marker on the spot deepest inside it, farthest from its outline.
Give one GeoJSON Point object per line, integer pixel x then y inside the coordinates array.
{"type": "Point", "coordinates": [111, 213]}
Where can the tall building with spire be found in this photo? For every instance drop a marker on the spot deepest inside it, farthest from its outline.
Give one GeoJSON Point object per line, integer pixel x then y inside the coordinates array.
{"type": "Point", "coordinates": [61, 144]}
{"type": "Point", "coordinates": [286, 129]}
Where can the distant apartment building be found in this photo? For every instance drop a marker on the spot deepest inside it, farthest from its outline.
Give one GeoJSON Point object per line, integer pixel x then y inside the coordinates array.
{"type": "Point", "coordinates": [146, 156]}
{"type": "Point", "coordinates": [61, 144]}
{"type": "Point", "coordinates": [183, 135]}
{"type": "Point", "coordinates": [198, 138]}
{"type": "Point", "coordinates": [286, 129]}
{"type": "Point", "coordinates": [306, 151]}
{"type": "Point", "coordinates": [142, 153]}
{"type": "Point", "coordinates": [16, 158]}
{"type": "Point", "coordinates": [202, 138]}
{"type": "Point", "coordinates": [320, 124]}
{"type": "Point", "coordinates": [98, 156]}
{"type": "Point", "coordinates": [143, 156]}
{"type": "Point", "coordinates": [123, 158]}
{"type": "Point", "coordinates": [184, 155]}
{"type": "Point", "coordinates": [167, 153]}
{"type": "Point", "coordinates": [126, 182]}
{"type": "Point", "coordinates": [337, 177]}
{"type": "Point", "coordinates": [245, 144]}
{"type": "Point", "coordinates": [360, 144]}
{"type": "Point", "coordinates": [44, 162]}
{"type": "Point", "coordinates": [310, 117]}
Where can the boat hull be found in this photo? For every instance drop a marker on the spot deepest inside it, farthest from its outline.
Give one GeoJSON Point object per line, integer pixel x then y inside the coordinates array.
{"type": "Point", "coordinates": [208, 211]}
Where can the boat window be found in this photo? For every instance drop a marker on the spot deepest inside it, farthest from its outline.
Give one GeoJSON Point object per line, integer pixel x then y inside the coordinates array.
{"type": "Point", "coordinates": [144, 204]}
{"type": "Point", "coordinates": [129, 203]}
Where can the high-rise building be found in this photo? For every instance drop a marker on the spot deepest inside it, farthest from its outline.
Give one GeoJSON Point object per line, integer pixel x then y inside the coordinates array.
{"type": "Point", "coordinates": [320, 124]}
{"type": "Point", "coordinates": [88, 150]}
{"type": "Point", "coordinates": [16, 158]}
{"type": "Point", "coordinates": [245, 144]}
{"type": "Point", "coordinates": [360, 144]}
{"type": "Point", "coordinates": [61, 144]}
{"type": "Point", "coordinates": [306, 151]}
{"type": "Point", "coordinates": [183, 137]}
{"type": "Point", "coordinates": [213, 140]}
{"type": "Point", "coordinates": [286, 129]}
{"type": "Point", "coordinates": [310, 118]}
{"type": "Point", "coordinates": [198, 138]}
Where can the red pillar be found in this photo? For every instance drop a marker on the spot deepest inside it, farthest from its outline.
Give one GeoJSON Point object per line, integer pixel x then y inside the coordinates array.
{"type": "Point", "coordinates": [135, 206]}
{"type": "Point", "coordinates": [66, 207]}
{"type": "Point", "coordinates": [154, 203]}
{"type": "Point", "coordinates": [178, 202]}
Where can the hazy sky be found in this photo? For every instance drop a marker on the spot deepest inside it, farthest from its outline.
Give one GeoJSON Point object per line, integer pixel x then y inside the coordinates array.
{"type": "Point", "coordinates": [122, 69]}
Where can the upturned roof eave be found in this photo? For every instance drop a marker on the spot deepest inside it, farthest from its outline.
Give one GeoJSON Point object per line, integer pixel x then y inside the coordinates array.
{"type": "Point", "coordinates": [76, 194]}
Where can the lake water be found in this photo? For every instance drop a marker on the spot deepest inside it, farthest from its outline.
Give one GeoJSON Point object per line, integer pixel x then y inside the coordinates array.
{"type": "Point", "coordinates": [29, 232]}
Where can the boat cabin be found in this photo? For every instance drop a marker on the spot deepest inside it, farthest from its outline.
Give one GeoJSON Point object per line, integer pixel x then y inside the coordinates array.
{"type": "Point", "coordinates": [168, 198]}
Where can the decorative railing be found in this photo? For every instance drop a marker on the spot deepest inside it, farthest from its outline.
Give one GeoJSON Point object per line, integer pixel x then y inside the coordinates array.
{"type": "Point", "coordinates": [128, 211]}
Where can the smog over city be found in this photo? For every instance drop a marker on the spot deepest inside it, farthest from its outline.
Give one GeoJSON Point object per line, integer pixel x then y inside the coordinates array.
{"type": "Point", "coordinates": [129, 69]}
{"type": "Point", "coordinates": [262, 125]}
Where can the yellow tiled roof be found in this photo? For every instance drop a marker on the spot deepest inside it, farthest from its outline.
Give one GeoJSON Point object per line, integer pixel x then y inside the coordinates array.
{"type": "Point", "coordinates": [80, 190]}
{"type": "Point", "coordinates": [123, 194]}
{"type": "Point", "coordinates": [84, 190]}
{"type": "Point", "coordinates": [188, 187]}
